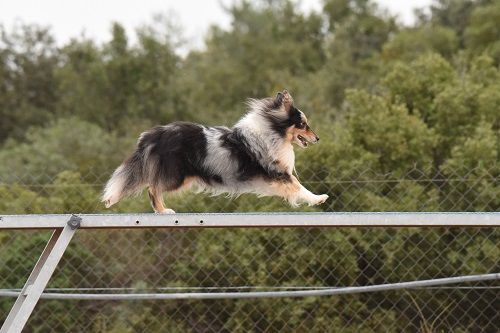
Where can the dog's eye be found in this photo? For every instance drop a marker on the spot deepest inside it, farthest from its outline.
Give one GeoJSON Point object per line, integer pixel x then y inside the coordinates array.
{"type": "Point", "coordinates": [302, 125]}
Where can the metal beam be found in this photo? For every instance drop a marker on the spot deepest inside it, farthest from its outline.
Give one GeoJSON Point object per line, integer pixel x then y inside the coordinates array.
{"type": "Point", "coordinates": [38, 279]}
{"type": "Point", "coordinates": [270, 294]}
{"type": "Point", "coordinates": [246, 220]}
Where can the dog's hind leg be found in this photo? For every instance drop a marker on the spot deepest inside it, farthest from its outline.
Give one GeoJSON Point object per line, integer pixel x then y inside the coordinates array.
{"type": "Point", "coordinates": [156, 198]}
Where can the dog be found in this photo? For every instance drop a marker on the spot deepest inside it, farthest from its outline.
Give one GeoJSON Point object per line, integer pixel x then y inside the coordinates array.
{"type": "Point", "coordinates": [255, 156]}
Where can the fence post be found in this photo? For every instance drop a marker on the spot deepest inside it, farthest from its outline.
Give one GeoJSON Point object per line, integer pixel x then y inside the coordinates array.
{"type": "Point", "coordinates": [40, 276]}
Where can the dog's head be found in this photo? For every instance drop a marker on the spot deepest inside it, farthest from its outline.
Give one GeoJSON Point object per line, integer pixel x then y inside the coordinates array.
{"type": "Point", "coordinates": [294, 125]}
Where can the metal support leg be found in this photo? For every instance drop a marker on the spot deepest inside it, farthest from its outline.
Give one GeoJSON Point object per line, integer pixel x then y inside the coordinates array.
{"type": "Point", "coordinates": [39, 277]}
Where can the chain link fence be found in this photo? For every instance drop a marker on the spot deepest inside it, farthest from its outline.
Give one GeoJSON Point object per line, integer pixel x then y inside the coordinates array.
{"type": "Point", "coordinates": [360, 189]}
{"type": "Point", "coordinates": [181, 260]}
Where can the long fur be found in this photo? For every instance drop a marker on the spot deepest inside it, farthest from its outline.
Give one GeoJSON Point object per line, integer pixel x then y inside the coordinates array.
{"type": "Point", "coordinates": [256, 156]}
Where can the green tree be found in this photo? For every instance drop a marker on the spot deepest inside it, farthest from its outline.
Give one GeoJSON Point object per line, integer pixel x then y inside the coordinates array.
{"type": "Point", "coordinates": [454, 14]}
{"type": "Point", "coordinates": [69, 144]}
{"type": "Point", "coordinates": [358, 29]}
{"type": "Point", "coordinates": [483, 34]}
{"type": "Point", "coordinates": [28, 60]}
{"type": "Point", "coordinates": [269, 45]}
{"type": "Point", "coordinates": [408, 44]}
{"type": "Point", "coordinates": [120, 87]}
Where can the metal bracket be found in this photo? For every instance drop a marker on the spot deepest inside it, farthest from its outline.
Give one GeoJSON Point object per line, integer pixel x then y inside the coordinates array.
{"type": "Point", "coordinates": [39, 277]}
{"type": "Point", "coordinates": [74, 222]}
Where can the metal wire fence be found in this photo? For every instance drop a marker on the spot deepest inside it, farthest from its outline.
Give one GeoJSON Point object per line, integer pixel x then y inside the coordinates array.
{"type": "Point", "coordinates": [160, 260]}
{"type": "Point", "coordinates": [359, 189]}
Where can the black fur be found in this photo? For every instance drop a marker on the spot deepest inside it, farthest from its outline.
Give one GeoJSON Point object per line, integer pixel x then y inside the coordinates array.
{"type": "Point", "coordinates": [279, 125]}
{"type": "Point", "coordinates": [179, 150]}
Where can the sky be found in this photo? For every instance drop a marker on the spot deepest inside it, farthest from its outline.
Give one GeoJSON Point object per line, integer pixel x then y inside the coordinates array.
{"type": "Point", "coordinates": [93, 18]}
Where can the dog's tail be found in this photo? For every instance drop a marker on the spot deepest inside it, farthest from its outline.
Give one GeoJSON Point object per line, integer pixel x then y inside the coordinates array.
{"type": "Point", "coordinates": [127, 179]}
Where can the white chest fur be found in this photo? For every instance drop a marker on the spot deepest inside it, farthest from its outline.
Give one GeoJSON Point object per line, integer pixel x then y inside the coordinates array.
{"type": "Point", "coordinates": [286, 156]}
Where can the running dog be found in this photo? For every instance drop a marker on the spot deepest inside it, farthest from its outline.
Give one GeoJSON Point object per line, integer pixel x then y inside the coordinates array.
{"type": "Point", "coordinates": [255, 156]}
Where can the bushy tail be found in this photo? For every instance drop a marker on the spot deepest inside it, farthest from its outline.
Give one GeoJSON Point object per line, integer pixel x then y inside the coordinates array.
{"type": "Point", "coordinates": [127, 179]}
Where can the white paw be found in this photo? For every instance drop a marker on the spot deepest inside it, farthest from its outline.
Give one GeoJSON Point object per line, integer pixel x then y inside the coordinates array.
{"type": "Point", "coordinates": [166, 211]}
{"type": "Point", "coordinates": [109, 202]}
{"type": "Point", "coordinates": [318, 200]}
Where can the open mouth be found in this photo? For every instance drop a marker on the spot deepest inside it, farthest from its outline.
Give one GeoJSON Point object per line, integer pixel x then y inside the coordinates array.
{"type": "Point", "coordinates": [302, 140]}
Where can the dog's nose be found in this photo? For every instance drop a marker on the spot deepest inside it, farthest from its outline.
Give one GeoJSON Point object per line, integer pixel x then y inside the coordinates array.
{"type": "Point", "coordinates": [317, 138]}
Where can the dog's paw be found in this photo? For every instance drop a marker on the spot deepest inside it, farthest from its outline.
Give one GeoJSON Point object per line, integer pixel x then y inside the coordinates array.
{"type": "Point", "coordinates": [108, 203]}
{"type": "Point", "coordinates": [166, 211]}
{"type": "Point", "coordinates": [318, 199]}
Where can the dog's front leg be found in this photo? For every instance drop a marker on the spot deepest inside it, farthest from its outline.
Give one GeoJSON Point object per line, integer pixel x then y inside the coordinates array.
{"type": "Point", "coordinates": [295, 193]}
{"type": "Point", "coordinates": [308, 197]}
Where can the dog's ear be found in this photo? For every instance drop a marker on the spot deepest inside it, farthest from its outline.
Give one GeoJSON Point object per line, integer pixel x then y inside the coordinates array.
{"type": "Point", "coordinates": [284, 98]}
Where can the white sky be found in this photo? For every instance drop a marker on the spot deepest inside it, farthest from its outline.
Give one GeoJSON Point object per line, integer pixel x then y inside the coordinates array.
{"type": "Point", "coordinates": [71, 18]}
